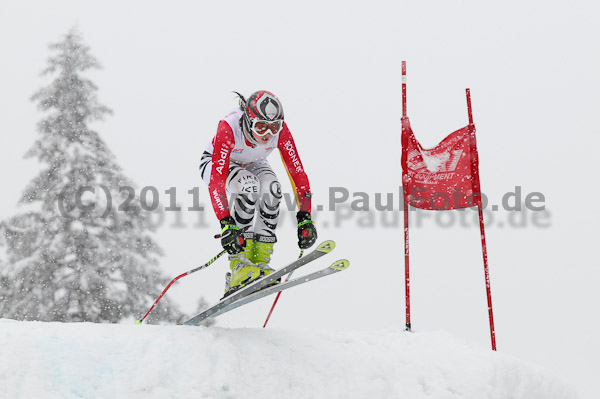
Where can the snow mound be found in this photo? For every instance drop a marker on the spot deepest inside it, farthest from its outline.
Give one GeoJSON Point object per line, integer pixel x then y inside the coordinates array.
{"type": "Point", "coordinates": [85, 360]}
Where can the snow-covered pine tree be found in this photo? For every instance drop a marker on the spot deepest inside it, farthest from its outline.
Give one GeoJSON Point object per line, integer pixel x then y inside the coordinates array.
{"type": "Point", "coordinates": [201, 307]}
{"type": "Point", "coordinates": [3, 279]}
{"type": "Point", "coordinates": [78, 262]}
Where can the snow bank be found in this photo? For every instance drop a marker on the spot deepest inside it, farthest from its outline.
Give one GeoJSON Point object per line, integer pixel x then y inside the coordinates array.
{"type": "Point", "coordinates": [54, 360]}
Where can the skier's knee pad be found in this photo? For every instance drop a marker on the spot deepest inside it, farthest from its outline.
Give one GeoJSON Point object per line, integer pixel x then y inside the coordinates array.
{"type": "Point", "coordinates": [270, 193]}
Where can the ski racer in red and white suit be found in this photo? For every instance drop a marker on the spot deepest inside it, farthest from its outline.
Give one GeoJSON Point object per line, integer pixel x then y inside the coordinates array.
{"type": "Point", "coordinates": [235, 164]}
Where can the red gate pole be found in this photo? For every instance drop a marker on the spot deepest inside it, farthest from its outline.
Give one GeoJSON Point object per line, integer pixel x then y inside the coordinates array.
{"type": "Point", "coordinates": [406, 241]}
{"type": "Point", "coordinates": [477, 189]}
{"type": "Point", "coordinates": [406, 265]}
{"type": "Point", "coordinates": [487, 279]}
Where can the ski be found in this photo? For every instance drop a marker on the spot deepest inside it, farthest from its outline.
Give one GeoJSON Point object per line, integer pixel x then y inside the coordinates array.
{"type": "Point", "coordinates": [335, 267]}
{"type": "Point", "coordinates": [263, 282]}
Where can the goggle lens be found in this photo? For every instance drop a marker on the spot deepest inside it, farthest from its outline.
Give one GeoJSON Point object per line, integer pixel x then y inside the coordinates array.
{"type": "Point", "coordinates": [263, 127]}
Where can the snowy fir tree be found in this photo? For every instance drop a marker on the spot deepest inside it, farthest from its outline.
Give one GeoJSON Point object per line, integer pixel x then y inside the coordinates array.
{"type": "Point", "coordinates": [75, 255]}
{"type": "Point", "coordinates": [3, 279]}
{"type": "Point", "coordinates": [201, 307]}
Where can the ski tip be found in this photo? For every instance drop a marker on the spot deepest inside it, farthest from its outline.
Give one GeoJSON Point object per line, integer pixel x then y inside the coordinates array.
{"type": "Point", "coordinates": [341, 264]}
{"type": "Point", "coordinates": [326, 247]}
{"type": "Point", "coordinates": [138, 322]}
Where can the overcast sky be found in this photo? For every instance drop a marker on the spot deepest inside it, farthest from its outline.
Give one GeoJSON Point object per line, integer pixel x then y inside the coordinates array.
{"type": "Point", "coordinates": [170, 68]}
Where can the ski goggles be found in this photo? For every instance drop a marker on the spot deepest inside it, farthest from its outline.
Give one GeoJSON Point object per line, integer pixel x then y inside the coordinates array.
{"type": "Point", "coordinates": [261, 127]}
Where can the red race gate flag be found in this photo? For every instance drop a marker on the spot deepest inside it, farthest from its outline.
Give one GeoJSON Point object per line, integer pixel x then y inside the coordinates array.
{"type": "Point", "coordinates": [442, 178]}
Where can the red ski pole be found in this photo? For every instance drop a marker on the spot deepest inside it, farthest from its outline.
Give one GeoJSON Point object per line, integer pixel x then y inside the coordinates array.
{"type": "Point", "coordinates": [279, 293]}
{"type": "Point", "coordinates": [177, 278]}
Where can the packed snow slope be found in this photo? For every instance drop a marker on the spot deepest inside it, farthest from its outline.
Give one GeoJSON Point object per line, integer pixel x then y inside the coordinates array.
{"type": "Point", "coordinates": [84, 360]}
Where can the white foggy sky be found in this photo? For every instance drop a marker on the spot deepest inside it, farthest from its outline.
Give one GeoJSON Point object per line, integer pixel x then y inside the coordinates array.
{"type": "Point", "coordinates": [170, 67]}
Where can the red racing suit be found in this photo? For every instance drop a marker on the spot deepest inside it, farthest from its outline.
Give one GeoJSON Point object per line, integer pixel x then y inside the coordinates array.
{"type": "Point", "coordinates": [230, 146]}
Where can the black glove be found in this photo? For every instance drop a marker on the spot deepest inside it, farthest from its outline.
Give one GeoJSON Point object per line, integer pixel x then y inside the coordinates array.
{"type": "Point", "coordinates": [232, 238]}
{"type": "Point", "coordinates": [307, 232]}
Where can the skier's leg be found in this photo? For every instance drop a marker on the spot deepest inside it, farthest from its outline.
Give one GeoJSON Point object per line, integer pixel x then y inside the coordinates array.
{"type": "Point", "coordinates": [243, 188]}
{"type": "Point", "coordinates": [269, 199]}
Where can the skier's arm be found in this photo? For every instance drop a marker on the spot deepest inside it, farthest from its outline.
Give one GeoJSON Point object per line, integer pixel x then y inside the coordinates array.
{"type": "Point", "coordinates": [307, 233]}
{"type": "Point", "coordinates": [223, 144]}
{"type": "Point", "coordinates": [293, 164]}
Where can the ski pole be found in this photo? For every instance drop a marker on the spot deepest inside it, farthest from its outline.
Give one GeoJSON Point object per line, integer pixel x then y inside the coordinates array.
{"type": "Point", "coordinates": [279, 293]}
{"type": "Point", "coordinates": [177, 278]}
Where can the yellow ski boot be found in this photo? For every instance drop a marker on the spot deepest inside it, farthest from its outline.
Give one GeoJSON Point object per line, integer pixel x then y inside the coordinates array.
{"type": "Point", "coordinates": [242, 269]}
{"type": "Point", "coordinates": [261, 256]}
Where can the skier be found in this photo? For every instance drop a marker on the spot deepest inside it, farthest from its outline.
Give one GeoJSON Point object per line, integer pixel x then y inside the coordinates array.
{"type": "Point", "coordinates": [235, 163]}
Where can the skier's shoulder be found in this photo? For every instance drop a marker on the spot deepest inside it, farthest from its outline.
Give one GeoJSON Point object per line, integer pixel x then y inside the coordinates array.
{"type": "Point", "coordinates": [228, 125]}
